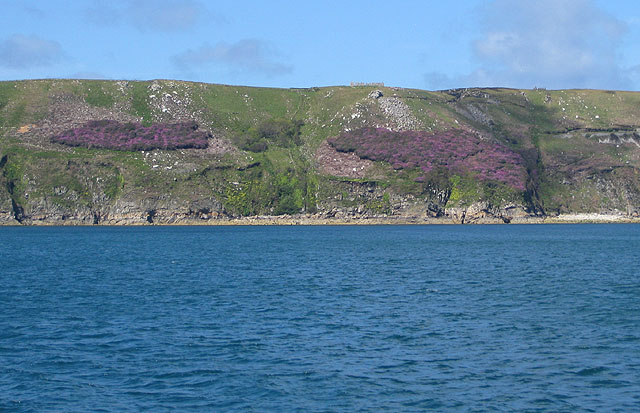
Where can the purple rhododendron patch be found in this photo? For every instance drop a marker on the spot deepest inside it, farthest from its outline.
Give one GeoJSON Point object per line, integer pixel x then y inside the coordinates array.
{"type": "Point", "coordinates": [456, 150]}
{"type": "Point", "coordinates": [111, 134]}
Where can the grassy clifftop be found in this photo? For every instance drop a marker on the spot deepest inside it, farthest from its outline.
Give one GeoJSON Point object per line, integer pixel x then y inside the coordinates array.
{"type": "Point", "coordinates": [294, 151]}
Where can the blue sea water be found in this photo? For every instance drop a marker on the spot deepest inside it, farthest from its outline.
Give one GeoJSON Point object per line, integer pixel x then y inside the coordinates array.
{"type": "Point", "coordinates": [381, 318]}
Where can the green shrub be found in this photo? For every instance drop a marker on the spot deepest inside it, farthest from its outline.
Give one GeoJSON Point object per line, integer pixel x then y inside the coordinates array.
{"type": "Point", "coordinates": [289, 198]}
{"type": "Point", "coordinates": [277, 132]}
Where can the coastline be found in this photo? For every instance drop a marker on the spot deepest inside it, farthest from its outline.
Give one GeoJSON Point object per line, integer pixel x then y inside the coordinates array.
{"type": "Point", "coordinates": [585, 218]}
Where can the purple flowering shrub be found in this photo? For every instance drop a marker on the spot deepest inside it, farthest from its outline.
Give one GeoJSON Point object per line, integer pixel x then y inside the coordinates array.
{"type": "Point", "coordinates": [111, 134]}
{"type": "Point", "coordinates": [454, 150]}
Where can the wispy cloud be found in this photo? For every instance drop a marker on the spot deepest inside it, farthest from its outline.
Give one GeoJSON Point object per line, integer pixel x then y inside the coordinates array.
{"type": "Point", "coordinates": [35, 12]}
{"type": "Point", "coordinates": [21, 51]}
{"type": "Point", "coordinates": [166, 15]}
{"type": "Point", "coordinates": [102, 13]}
{"type": "Point", "coordinates": [247, 55]}
{"type": "Point", "coordinates": [549, 43]}
{"type": "Point", "coordinates": [154, 15]}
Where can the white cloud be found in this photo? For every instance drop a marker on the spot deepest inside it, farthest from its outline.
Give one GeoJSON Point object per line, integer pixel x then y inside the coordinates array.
{"type": "Point", "coordinates": [155, 15]}
{"type": "Point", "coordinates": [102, 13]}
{"type": "Point", "coordinates": [21, 51]}
{"type": "Point", "coordinates": [166, 15]}
{"type": "Point", "coordinates": [247, 55]}
{"type": "Point", "coordinates": [546, 43]}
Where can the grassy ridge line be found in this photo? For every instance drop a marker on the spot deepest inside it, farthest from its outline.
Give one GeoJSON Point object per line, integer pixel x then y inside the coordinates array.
{"type": "Point", "coordinates": [232, 106]}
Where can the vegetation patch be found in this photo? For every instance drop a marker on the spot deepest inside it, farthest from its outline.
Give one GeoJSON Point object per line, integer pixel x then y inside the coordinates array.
{"type": "Point", "coordinates": [139, 103]}
{"type": "Point", "coordinates": [276, 187]}
{"type": "Point", "coordinates": [96, 95]}
{"type": "Point", "coordinates": [380, 206]}
{"type": "Point", "coordinates": [7, 93]}
{"type": "Point", "coordinates": [455, 150]}
{"type": "Point", "coordinates": [111, 134]}
{"type": "Point", "coordinates": [279, 132]}
{"type": "Point", "coordinates": [114, 185]}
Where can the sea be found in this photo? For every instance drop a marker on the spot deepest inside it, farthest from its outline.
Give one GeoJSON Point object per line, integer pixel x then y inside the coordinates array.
{"type": "Point", "coordinates": [533, 318]}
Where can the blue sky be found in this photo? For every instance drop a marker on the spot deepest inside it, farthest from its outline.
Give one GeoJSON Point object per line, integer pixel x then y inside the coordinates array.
{"type": "Point", "coordinates": [418, 44]}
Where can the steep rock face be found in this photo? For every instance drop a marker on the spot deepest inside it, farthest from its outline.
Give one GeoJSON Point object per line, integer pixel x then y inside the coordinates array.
{"type": "Point", "coordinates": [614, 191]}
{"type": "Point", "coordinates": [484, 213]}
{"type": "Point", "coordinates": [371, 200]}
{"type": "Point", "coordinates": [130, 207]}
{"type": "Point", "coordinates": [6, 208]}
{"type": "Point", "coordinates": [152, 210]}
{"type": "Point", "coordinates": [365, 200]}
{"type": "Point", "coordinates": [162, 210]}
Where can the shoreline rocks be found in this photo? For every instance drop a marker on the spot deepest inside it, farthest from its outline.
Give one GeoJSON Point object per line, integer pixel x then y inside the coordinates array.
{"type": "Point", "coordinates": [213, 219]}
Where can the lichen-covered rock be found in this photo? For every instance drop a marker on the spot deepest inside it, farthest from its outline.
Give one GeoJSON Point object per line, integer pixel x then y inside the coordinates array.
{"type": "Point", "coordinates": [6, 209]}
{"type": "Point", "coordinates": [376, 94]}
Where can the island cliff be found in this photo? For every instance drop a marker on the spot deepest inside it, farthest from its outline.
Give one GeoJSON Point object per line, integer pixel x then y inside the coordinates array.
{"type": "Point", "coordinates": [172, 152]}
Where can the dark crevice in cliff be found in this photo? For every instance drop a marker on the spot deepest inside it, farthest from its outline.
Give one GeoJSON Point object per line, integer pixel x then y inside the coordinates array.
{"type": "Point", "coordinates": [613, 128]}
{"type": "Point", "coordinates": [151, 215]}
{"type": "Point", "coordinates": [202, 213]}
{"type": "Point", "coordinates": [17, 209]}
{"type": "Point", "coordinates": [532, 197]}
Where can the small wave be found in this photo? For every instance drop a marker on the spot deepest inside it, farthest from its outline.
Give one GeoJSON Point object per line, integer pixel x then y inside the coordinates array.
{"type": "Point", "coordinates": [591, 371]}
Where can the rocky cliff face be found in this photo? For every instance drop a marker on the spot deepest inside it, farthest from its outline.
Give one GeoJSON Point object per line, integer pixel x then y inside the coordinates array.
{"type": "Point", "coordinates": [579, 152]}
